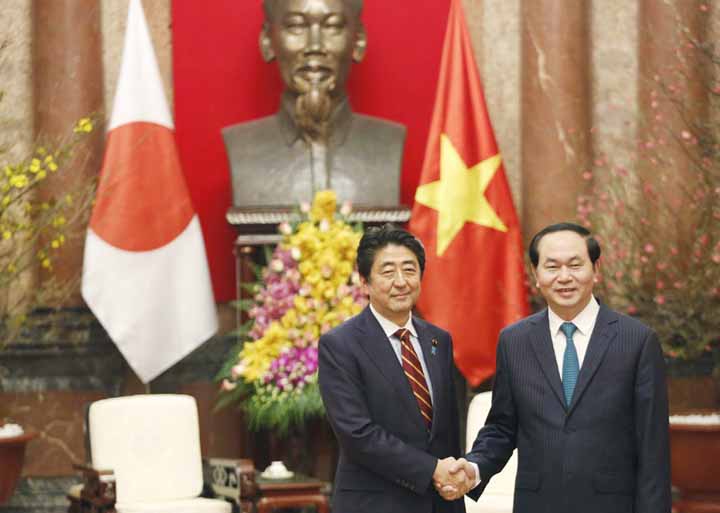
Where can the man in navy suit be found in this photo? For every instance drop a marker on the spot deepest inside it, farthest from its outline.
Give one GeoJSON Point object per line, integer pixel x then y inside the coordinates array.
{"type": "Point", "coordinates": [386, 381]}
{"type": "Point", "coordinates": [580, 392]}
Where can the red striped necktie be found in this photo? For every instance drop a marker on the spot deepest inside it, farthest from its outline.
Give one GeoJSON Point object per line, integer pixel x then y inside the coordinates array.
{"type": "Point", "coordinates": [416, 377]}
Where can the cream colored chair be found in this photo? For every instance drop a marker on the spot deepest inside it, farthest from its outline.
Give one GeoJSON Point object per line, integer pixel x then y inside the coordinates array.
{"type": "Point", "coordinates": [498, 495]}
{"type": "Point", "coordinates": [152, 445]}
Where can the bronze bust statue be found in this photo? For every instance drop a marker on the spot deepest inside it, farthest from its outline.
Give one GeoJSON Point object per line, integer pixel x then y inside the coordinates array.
{"type": "Point", "coordinates": [315, 141]}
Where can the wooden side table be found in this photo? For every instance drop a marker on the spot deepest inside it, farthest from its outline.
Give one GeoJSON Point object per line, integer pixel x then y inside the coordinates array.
{"type": "Point", "coordinates": [297, 491]}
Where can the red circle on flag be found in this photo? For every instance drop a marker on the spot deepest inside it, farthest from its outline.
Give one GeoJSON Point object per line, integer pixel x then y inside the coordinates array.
{"type": "Point", "coordinates": [142, 202]}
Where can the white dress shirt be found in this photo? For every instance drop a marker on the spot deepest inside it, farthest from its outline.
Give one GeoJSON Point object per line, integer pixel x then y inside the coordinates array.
{"type": "Point", "coordinates": [585, 322]}
{"type": "Point", "coordinates": [390, 328]}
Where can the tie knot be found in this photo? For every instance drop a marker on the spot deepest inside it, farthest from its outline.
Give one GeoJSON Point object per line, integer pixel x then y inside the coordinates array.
{"type": "Point", "coordinates": [403, 334]}
{"type": "Point", "coordinates": [568, 328]}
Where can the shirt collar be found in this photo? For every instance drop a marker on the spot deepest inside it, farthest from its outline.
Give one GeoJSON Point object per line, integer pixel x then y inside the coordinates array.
{"type": "Point", "coordinates": [390, 327]}
{"type": "Point", "coordinates": [584, 321]}
{"type": "Point", "coordinates": [340, 121]}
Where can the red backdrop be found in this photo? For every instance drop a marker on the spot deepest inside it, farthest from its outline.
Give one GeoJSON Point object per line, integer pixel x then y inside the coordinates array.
{"type": "Point", "coordinates": [220, 79]}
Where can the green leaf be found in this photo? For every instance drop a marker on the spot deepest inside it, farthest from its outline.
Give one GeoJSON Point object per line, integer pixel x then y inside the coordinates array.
{"type": "Point", "coordinates": [230, 361]}
{"type": "Point", "coordinates": [284, 412]}
{"type": "Point", "coordinates": [243, 304]}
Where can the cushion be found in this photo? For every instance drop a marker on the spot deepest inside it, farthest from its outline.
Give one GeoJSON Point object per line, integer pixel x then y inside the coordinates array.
{"type": "Point", "coordinates": [197, 505]}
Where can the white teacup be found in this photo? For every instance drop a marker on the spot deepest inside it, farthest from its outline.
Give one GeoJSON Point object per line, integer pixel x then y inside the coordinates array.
{"type": "Point", "coordinates": [276, 469]}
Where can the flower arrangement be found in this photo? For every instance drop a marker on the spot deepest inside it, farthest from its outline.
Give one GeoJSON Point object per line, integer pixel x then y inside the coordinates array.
{"type": "Point", "coordinates": [660, 222]}
{"type": "Point", "coordinates": [35, 227]}
{"type": "Point", "coordinates": [308, 287]}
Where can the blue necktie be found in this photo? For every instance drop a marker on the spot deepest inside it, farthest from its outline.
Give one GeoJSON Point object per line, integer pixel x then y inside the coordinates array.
{"type": "Point", "coordinates": [571, 364]}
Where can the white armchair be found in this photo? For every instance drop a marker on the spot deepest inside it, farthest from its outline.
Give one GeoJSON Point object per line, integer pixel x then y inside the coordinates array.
{"type": "Point", "coordinates": [152, 445]}
{"type": "Point", "coordinates": [498, 495]}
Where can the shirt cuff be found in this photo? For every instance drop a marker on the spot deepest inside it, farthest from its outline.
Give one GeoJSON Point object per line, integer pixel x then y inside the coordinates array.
{"type": "Point", "coordinates": [477, 474]}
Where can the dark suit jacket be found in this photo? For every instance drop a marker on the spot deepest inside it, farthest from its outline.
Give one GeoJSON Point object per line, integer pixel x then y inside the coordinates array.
{"type": "Point", "coordinates": [605, 453]}
{"type": "Point", "coordinates": [387, 455]}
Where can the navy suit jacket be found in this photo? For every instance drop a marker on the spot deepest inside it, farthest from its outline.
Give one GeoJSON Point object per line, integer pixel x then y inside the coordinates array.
{"type": "Point", "coordinates": [608, 451]}
{"type": "Point", "coordinates": [387, 454]}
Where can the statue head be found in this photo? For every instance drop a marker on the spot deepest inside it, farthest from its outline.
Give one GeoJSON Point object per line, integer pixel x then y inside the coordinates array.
{"type": "Point", "coordinates": [314, 43]}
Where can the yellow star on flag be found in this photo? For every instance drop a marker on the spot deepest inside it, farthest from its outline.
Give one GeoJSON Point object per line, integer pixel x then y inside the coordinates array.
{"type": "Point", "coordinates": [459, 195]}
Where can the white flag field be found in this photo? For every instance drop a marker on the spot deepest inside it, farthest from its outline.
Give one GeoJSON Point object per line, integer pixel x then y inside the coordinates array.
{"type": "Point", "coordinates": [145, 271]}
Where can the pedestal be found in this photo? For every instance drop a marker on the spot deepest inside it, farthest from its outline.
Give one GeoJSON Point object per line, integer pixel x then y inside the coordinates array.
{"type": "Point", "coordinates": [295, 492]}
{"type": "Point", "coordinates": [695, 467]}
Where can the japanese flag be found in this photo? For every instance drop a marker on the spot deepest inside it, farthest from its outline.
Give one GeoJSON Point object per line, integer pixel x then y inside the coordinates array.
{"type": "Point", "coordinates": [145, 272]}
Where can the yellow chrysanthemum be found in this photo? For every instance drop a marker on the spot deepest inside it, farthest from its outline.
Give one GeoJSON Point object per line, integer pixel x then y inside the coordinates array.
{"type": "Point", "coordinates": [323, 206]}
{"type": "Point", "coordinates": [301, 304]}
{"type": "Point", "coordinates": [290, 319]}
{"type": "Point", "coordinates": [257, 356]}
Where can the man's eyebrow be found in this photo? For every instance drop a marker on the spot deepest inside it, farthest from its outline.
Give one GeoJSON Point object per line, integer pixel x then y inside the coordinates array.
{"type": "Point", "coordinates": [555, 260]}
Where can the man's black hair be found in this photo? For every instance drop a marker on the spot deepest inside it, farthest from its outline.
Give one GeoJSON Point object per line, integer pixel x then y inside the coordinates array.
{"type": "Point", "coordinates": [593, 246]}
{"type": "Point", "coordinates": [376, 239]}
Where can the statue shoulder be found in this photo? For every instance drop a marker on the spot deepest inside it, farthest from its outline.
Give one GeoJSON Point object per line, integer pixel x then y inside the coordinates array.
{"type": "Point", "coordinates": [379, 132]}
{"type": "Point", "coordinates": [260, 129]}
{"type": "Point", "coordinates": [384, 127]}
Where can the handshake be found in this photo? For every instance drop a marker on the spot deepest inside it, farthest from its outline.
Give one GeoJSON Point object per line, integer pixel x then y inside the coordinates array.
{"type": "Point", "coordinates": [454, 478]}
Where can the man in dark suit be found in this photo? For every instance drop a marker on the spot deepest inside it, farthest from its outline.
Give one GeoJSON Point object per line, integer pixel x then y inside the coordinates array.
{"type": "Point", "coordinates": [580, 391]}
{"type": "Point", "coordinates": [386, 381]}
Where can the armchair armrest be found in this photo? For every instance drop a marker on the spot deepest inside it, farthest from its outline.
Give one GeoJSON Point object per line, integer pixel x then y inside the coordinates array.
{"type": "Point", "coordinates": [233, 479]}
{"type": "Point", "coordinates": [96, 493]}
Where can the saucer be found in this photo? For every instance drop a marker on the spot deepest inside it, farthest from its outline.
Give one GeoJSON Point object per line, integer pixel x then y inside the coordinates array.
{"type": "Point", "coordinates": [285, 475]}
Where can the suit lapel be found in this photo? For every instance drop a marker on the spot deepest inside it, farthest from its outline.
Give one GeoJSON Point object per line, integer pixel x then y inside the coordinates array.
{"type": "Point", "coordinates": [604, 333]}
{"type": "Point", "coordinates": [378, 349]}
{"type": "Point", "coordinates": [432, 362]}
{"type": "Point", "coordinates": [545, 354]}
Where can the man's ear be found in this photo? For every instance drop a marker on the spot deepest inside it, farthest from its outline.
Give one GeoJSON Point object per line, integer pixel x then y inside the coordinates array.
{"type": "Point", "coordinates": [364, 286]}
{"type": "Point", "coordinates": [533, 274]}
{"type": "Point", "coordinates": [266, 49]}
{"type": "Point", "coordinates": [360, 46]}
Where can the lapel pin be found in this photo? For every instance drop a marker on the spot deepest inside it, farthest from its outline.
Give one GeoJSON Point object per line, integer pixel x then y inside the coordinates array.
{"type": "Point", "coordinates": [433, 349]}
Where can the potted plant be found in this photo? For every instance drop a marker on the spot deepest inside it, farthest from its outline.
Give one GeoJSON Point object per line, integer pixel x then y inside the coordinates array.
{"type": "Point", "coordinates": [658, 220]}
{"type": "Point", "coordinates": [659, 216]}
{"type": "Point", "coordinates": [33, 231]}
{"type": "Point", "coordinates": [308, 286]}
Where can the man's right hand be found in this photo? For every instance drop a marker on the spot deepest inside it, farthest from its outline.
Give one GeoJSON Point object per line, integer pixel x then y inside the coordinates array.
{"type": "Point", "coordinates": [453, 478]}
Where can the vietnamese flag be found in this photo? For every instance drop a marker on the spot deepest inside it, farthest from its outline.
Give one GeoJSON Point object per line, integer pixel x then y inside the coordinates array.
{"type": "Point", "coordinates": [474, 281]}
{"type": "Point", "coordinates": [145, 273]}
